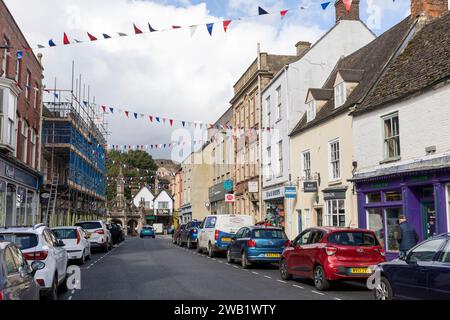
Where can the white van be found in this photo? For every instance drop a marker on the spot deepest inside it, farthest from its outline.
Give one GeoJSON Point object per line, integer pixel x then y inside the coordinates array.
{"type": "Point", "coordinates": [216, 231]}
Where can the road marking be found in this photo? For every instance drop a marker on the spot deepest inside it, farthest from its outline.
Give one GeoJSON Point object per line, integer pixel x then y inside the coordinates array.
{"type": "Point", "coordinates": [220, 261]}
{"type": "Point", "coordinates": [228, 264]}
{"type": "Point", "coordinates": [281, 281]}
{"type": "Point", "coordinates": [267, 277]}
{"type": "Point", "coordinates": [294, 285]}
{"type": "Point", "coordinates": [313, 291]}
{"type": "Point", "coordinates": [214, 259]}
{"type": "Point", "coordinates": [73, 291]}
{"type": "Point", "coordinates": [255, 272]}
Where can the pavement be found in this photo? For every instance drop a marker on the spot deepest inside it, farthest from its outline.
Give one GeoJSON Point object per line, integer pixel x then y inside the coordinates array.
{"type": "Point", "coordinates": [156, 269]}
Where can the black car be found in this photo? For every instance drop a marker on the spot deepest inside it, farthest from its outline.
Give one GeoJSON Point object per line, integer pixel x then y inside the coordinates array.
{"type": "Point", "coordinates": [117, 233]}
{"type": "Point", "coordinates": [176, 234]}
{"type": "Point", "coordinates": [188, 235]}
{"type": "Point", "coordinates": [16, 276]}
{"type": "Point", "coordinates": [424, 273]}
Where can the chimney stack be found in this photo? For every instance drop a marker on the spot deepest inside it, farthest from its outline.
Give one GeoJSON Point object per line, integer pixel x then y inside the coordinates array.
{"type": "Point", "coordinates": [302, 47]}
{"type": "Point", "coordinates": [430, 8]}
{"type": "Point", "coordinates": [343, 14]}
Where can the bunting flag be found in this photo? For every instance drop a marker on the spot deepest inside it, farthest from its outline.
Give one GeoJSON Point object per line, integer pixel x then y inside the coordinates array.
{"type": "Point", "coordinates": [66, 39]}
{"type": "Point", "coordinates": [91, 37]}
{"type": "Point", "coordinates": [135, 115]}
{"type": "Point", "coordinates": [151, 119]}
{"type": "Point", "coordinates": [176, 27]}
{"type": "Point", "coordinates": [151, 28]}
{"type": "Point", "coordinates": [283, 13]}
{"type": "Point", "coordinates": [126, 113]}
{"type": "Point", "coordinates": [137, 30]}
{"type": "Point", "coordinates": [348, 4]}
{"type": "Point", "coordinates": [261, 11]}
{"type": "Point", "coordinates": [226, 24]}
{"type": "Point", "coordinates": [51, 43]}
{"type": "Point", "coordinates": [210, 27]}
{"type": "Point", "coordinates": [193, 30]}
{"type": "Point", "coordinates": [112, 110]}
{"type": "Point", "coordinates": [325, 5]}
{"type": "Point", "coordinates": [106, 36]}
{"type": "Point", "coordinates": [121, 34]}
{"type": "Point", "coordinates": [19, 55]}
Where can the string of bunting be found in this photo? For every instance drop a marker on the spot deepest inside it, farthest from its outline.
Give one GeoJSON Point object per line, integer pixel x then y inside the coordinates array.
{"type": "Point", "coordinates": [66, 41]}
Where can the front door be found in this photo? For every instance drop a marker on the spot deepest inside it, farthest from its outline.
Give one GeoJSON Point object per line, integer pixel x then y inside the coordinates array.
{"type": "Point", "coordinates": [429, 227]}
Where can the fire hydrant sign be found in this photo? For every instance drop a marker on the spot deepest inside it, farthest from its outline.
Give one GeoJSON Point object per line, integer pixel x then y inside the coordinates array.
{"type": "Point", "coordinates": [229, 198]}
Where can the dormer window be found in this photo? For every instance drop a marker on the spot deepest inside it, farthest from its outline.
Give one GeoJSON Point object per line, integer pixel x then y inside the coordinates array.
{"type": "Point", "coordinates": [311, 111]}
{"type": "Point", "coordinates": [339, 94]}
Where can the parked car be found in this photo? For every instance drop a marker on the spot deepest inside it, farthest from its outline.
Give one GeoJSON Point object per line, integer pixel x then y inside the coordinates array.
{"type": "Point", "coordinates": [216, 231]}
{"type": "Point", "coordinates": [38, 243]}
{"type": "Point", "coordinates": [188, 235]}
{"type": "Point", "coordinates": [117, 233]}
{"type": "Point", "coordinates": [257, 244]}
{"type": "Point", "coordinates": [147, 231]}
{"type": "Point", "coordinates": [16, 275]}
{"type": "Point", "coordinates": [76, 242]}
{"type": "Point", "coordinates": [99, 235]}
{"type": "Point", "coordinates": [176, 234]}
{"type": "Point", "coordinates": [327, 254]}
{"type": "Point", "coordinates": [423, 273]}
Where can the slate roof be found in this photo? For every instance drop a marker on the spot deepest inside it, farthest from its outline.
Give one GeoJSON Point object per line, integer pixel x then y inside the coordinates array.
{"type": "Point", "coordinates": [351, 75]}
{"type": "Point", "coordinates": [424, 63]}
{"type": "Point", "coordinates": [367, 64]}
{"type": "Point", "coordinates": [321, 94]}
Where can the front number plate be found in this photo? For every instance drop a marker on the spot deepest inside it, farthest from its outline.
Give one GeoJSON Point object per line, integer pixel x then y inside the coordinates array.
{"type": "Point", "coordinates": [361, 270]}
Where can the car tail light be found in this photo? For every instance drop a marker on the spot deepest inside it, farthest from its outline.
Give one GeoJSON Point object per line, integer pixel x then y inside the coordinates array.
{"type": "Point", "coordinates": [331, 251]}
{"type": "Point", "coordinates": [100, 231]}
{"type": "Point", "coordinates": [287, 243]}
{"type": "Point", "coordinates": [251, 243]}
{"type": "Point", "coordinates": [78, 237]}
{"type": "Point", "coordinates": [41, 282]}
{"type": "Point", "coordinates": [38, 255]}
{"type": "Point", "coordinates": [216, 235]}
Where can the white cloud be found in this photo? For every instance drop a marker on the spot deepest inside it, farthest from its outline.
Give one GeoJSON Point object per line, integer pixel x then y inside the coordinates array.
{"type": "Point", "coordinates": [163, 73]}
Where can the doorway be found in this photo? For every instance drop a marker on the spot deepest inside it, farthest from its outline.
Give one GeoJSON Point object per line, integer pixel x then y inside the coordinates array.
{"type": "Point", "coordinates": [428, 219]}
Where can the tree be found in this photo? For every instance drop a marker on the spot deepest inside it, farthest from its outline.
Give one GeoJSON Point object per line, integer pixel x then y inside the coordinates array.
{"type": "Point", "coordinates": [136, 164]}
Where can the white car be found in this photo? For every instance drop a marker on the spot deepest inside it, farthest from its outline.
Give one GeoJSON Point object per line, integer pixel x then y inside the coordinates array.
{"type": "Point", "coordinates": [216, 231]}
{"type": "Point", "coordinates": [38, 243]}
{"type": "Point", "coordinates": [99, 234]}
{"type": "Point", "coordinates": [76, 242]}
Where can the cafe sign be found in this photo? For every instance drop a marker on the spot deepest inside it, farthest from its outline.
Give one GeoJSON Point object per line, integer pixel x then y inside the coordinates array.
{"type": "Point", "coordinates": [310, 187]}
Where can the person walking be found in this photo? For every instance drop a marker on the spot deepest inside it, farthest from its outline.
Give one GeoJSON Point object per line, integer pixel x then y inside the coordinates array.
{"type": "Point", "coordinates": [407, 236]}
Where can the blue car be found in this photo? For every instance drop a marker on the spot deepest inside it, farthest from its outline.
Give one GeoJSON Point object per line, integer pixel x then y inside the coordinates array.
{"type": "Point", "coordinates": [188, 235]}
{"type": "Point", "coordinates": [147, 231]}
{"type": "Point", "coordinates": [257, 244]}
{"type": "Point", "coordinates": [424, 273]}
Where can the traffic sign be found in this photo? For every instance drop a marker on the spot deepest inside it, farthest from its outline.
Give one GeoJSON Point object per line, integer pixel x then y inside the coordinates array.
{"type": "Point", "coordinates": [230, 198]}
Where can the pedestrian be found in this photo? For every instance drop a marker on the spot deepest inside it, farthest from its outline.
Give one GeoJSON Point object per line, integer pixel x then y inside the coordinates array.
{"type": "Point", "coordinates": [407, 236]}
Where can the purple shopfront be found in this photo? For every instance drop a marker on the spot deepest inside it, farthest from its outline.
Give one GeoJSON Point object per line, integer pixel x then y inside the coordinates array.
{"type": "Point", "coordinates": [423, 197]}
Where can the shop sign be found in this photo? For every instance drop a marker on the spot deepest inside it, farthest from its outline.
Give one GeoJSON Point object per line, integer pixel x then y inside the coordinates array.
{"type": "Point", "coordinates": [380, 185]}
{"type": "Point", "coordinates": [150, 217]}
{"type": "Point", "coordinates": [419, 179]}
{"type": "Point", "coordinates": [334, 194]}
{"type": "Point", "coordinates": [228, 185]}
{"type": "Point", "coordinates": [290, 192]}
{"type": "Point", "coordinates": [230, 198]}
{"type": "Point", "coordinates": [274, 194]}
{"type": "Point", "coordinates": [217, 193]}
{"type": "Point", "coordinates": [310, 187]}
{"type": "Point", "coordinates": [253, 187]}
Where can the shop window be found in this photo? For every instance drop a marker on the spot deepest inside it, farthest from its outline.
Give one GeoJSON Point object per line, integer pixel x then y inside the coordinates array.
{"type": "Point", "coordinates": [391, 196]}
{"type": "Point", "coordinates": [20, 207]}
{"type": "Point", "coordinates": [30, 208]}
{"type": "Point", "coordinates": [335, 215]}
{"type": "Point", "coordinates": [392, 216]}
{"type": "Point", "coordinates": [373, 197]}
{"type": "Point", "coordinates": [2, 203]}
{"type": "Point", "coordinates": [375, 223]}
{"type": "Point", "coordinates": [10, 201]}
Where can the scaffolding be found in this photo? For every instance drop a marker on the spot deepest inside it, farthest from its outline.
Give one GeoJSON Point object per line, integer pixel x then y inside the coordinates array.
{"type": "Point", "coordinates": [74, 151]}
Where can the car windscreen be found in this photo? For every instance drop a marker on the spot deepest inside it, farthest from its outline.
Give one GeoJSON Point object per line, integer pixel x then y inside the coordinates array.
{"type": "Point", "coordinates": [22, 240]}
{"type": "Point", "coordinates": [147, 228]}
{"type": "Point", "coordinates": [354, 239]}
{"type": "Point", "coordinates": [89, 225]}
{"type": "Point", "coordinates": [65, 233]}
{"type": "Point", "coordinates": [268, 234]}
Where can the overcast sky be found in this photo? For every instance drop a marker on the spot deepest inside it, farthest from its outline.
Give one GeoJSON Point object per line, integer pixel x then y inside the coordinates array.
{"type": "Point", "coordinates": [170, 74]}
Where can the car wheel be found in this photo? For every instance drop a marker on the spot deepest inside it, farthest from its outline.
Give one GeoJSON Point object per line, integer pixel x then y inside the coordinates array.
{"type": "Point", "coordinates": [82, 260]}
{"type": "Point", "coordinates": [53, 293]}
{"type": "Point", "coordinates": [244, 261]}
{"type": "Point", "coordinates": [210, 251]}
{"type": "Point", "coordinates": [229, 258]}
{"type": "Point", "coordinates": [285, 275]}
{"type": "Point", "coordinates": [320, 280]}
{"type": "Point", "coordinates": [383, 291]}
{"type": "Point", "coordinates": [89, 256]}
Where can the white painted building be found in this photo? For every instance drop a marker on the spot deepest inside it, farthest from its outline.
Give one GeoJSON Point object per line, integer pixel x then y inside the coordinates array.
{"type": "Point", "coordinates": [284, 99]}
{"type": "Point", "coordinates": [163, 203]}
{"type": "Point", "coordinates": [144, 195]}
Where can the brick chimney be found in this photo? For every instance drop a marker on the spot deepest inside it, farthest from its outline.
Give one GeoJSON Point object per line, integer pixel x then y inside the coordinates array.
{"type": "Point", "coordinates": [430, 8]}
{"type": "Point", "coordinates": [302, 47]}
{"type": "Point", "coordinates": [343, 14]}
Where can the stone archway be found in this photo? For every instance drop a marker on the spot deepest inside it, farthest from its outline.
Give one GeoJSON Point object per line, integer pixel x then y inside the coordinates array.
{"type": "Point", "coordinates": [132, 225]}
{"type": "Point", "coordinates": [117, 221]}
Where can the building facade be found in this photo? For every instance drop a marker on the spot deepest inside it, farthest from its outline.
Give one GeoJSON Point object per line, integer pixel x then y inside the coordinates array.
{"type": "Point", "coordinates": [21, 75]}
{"type": "Point", "coordinates": [284, 105]}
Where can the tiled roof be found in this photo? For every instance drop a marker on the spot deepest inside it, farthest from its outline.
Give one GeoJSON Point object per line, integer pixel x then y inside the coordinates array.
{"type": "Point", "coordinates": [351, 75]}
{"type": "Point", "coordinates": [424, 63]}
{"type": "Point", "coordinates": [321, 94]}
{"type": "Point", "coordinates": [367, 64]}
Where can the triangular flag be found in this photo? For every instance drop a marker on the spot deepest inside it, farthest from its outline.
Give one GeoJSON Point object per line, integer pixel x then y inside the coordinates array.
{"type": "Point", "coordinates": [40, 46]}
{"type": "Point", "coordinates": [176, 27]}
{"type": "Point", "coordinates": [91, 37]}
{"type": "Point", "coordinates": [66, 39]}
{"type": "Point", "coordinates": [135, 115]}
{"type": "Point", "coordinates": [171, 122]}
{"type": "Point", "coordinates": [348, 4]}
{"type": "Point", "coordinates": [226, 23]}
{"type": "Point", "coordinates": [283, 13]}
{"type": "Point", "coordinates": [151, 118]}
{"type": "Point", "coordinates": [136, 29]}
{"type": "Point", "coordinates": [77, 41]}
{"type": "Point", "coordinates": [151, 28]}
{"type": "Point", "coordinates": [183, 123]}
{"type": "Point", "coordinates": [157, 119]}
{"type": "Point", "coordinates": [111, 109]}
{"type": "Point", "coordinates": [104, 108]}
{"type": "Point", "coordinates": [193, 30]}
{"type": "Point", "coordinates": [261, 11]}
{"type": "Point", "coordinates": [210, 27]}
{"type": "Point", "coordinates": [51, 43]}
{"type": "Point", "coordinates": [126, 113]}
{"type": "Point", "coordinates": [106, 36]}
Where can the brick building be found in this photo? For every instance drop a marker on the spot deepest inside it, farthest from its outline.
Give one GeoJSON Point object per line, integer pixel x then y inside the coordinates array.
{"type": "Point", "coordinates": [20, 109]}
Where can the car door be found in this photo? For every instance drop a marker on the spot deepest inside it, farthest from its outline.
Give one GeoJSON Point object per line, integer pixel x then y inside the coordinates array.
{"type": "Point", "coordinates": [210, 228]}
{"type": "Point", "coordinates": [310, 251]}
{"type": "Point", "coordinates": [202, 234]}
{"type": "Point", "coordinates": [234, 241]}
{"type": "Point", "coordinates": [439, 276]}
{"type": "Point", "coordinates": [297, 259]}
{"type": "Point", "coordinates": [410, 279]}
{"type": "Point", "coordinates": [12, 287]}
{"type": "Point", "coordinates": [84, 241]}
{"type": "Point", "coordinates": [237, 243]}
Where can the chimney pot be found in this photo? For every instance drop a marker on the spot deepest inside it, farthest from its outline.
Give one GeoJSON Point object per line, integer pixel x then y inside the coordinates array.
{"type": "Point", "coordinates": [343, 14]}
{"type": "Point", "coordinates": [430, 8]}
{"type": "Point", "coordinates": [302, 47]}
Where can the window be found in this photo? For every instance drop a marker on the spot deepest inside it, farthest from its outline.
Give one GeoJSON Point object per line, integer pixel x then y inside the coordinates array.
{"type": "Point", "coordinates": [210, 222]}
{"type": "Point", "coordinates": [316, 236]}
{"type": "Point", "coordinates": [163, 205]}
{"type": "Point", "coordinates": [11, 113]}
{"type": "Point", "coordinates": [278, 103]}
{"type": "Point", "coordinates": [307, 165]}
{"type": "Point", "coordinates": [36, 96]}
{"type": "Point", "coordinates": [391, 137]}
{"type": "Point", "coordinates": [374, 197]}
{"type": "Point", "coordinates": [23, 241]}
{"type": "Point", "coordinates": [18, 69]}
{"type": "Point", "coordinates": [303, 238]}
{"type": "Point", "coordinates": [339, 95]}
{"type": "Point", "coordinates": [354, 239]}
{"type": "Point", "coordinates": [20, 206]}
{"type": "Point", "coordinates": [391, 196]}
{"type": "Point", "coordinates": [335, 216]}
{"type": "Point", "coordinates": [426, 251]}
{"type": "Point", "coordinates": [268, 112]}
{"type": "Point", "coordinates": [392, 215]}
{"type": "Point", "coordinates": [268, 234]}
{"type": "Point", "coordinates": [5, 58]}
{"type": "Point", "coordinates": [446, 254]}
{"type": "Point", "coordinates": [10, 264]}
{"type": "Point", "coordinates": [24, 142]}
{"type": "Point", "coordinates": [28, 85]}
{"type": "Point", "coordinates": [375, 223]}
{"type": "Point", "coordinates": [280, 158]}
{"type": "Point", "coordinates": [269, 163]}
{"type": "Point", "coordinates": [335, 160]}
{"type": "Point", "coordinates": [311, 111]}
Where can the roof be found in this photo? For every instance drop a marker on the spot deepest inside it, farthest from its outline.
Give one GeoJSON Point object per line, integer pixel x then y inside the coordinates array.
{"type": "Point", "coordinates": [424, 63]}
{"type": "Point", "coordinates": [337, 229]}
{"type": "Point", "coordinates": [159, 193]}
{"type": "Point", "coordinates": [321, 94]}
{"type": "Point", "coordinates": [351, 75]}
{"type": "Point", "coordinates": [366, 65]}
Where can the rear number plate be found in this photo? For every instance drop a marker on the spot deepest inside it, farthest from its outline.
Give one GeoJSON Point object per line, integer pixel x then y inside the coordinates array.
{"type": "Point", "coordinates": [226, 239]}
{"type": "Point", "coordinates": [273, 255]}
{"type": "Point", "coordinates": [361, 270]}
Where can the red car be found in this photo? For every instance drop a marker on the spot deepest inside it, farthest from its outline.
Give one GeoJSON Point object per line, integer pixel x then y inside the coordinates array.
{"type": "Point", "coordinates": [327, 254]}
